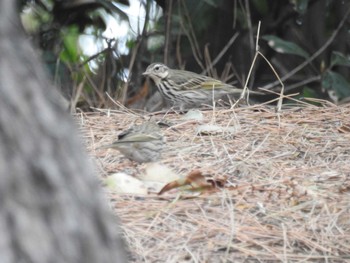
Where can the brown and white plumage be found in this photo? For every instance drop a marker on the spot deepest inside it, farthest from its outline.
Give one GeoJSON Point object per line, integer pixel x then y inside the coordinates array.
{"type": "Point", "coordinates": [187, 89]}
{"type": "Point", "coordinates": [141, 143]}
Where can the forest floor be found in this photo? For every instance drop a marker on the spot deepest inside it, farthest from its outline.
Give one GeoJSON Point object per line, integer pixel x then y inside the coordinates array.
{"type": "Point", "coordinates": [278, 184]}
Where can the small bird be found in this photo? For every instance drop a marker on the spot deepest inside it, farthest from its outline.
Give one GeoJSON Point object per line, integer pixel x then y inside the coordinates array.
{"type": "Point", "coordinates": [141, 143]}
{"type": "Point", "coordinates": [185, 89]}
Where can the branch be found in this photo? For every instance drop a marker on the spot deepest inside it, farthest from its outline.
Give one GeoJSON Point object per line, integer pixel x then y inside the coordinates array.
{"type": "Point", "coordinates": [315, 55]}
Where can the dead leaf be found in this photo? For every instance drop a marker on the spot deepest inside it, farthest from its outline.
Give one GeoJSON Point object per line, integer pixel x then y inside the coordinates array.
{"type": "Point", "coordinates": [194, 181]}
{"type": "Point", "coordinates": [158, 172]}
{"type": "Point", "coordinates": [123, 183]}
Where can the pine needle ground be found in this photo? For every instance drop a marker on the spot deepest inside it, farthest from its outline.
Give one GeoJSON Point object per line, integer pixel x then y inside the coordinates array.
{"type": "Point", "coordinates": [287, 192]}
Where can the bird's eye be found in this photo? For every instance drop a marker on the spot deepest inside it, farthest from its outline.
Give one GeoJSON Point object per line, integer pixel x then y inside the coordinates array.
{"type": "Point", "coordinates": [156, 68]}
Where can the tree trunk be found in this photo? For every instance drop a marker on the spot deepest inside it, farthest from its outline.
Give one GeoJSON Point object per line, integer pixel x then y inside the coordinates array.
{"type": "Point", "coordinates": [51, 205]}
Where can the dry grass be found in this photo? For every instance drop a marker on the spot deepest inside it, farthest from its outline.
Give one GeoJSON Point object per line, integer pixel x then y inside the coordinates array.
{"type": "Point", "coordinates": [287, 196]}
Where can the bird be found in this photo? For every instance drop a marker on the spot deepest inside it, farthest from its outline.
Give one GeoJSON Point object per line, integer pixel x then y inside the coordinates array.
{"type": "Point", "coordinates": [141, 143]}
{"type": "Point", "coordinates": [186, 89]}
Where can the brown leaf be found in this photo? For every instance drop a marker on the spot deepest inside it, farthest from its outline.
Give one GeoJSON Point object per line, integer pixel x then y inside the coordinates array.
{"type": "Point", "coordinates": [172, 185]}
{"type": "Point", "coordinates": [194, 180]}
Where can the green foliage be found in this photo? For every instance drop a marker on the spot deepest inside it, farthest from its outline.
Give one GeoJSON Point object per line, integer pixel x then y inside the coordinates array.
{"type": "Point", "coordinates": [285, 47]}
{"type": "Point", "coordinates": [334, 81]}
{"type": "Point", "coordinates": [339, 59]}
{"type": "Point", "coordinates": [58, 26]}
{"type": "Point", "coordinates": [199, 31]}
{"type": "Point", "coordinates": [309, 92]}
{"type": "Point", "coordinates": [70, 52]}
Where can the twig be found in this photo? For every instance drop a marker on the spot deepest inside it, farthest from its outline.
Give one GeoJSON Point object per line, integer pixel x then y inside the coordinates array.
{"type": "Point", "coordinates": [315, 55]}
{"type": "Point", "coordinates": [92, 57]}
{"type": "Point", "coordinates": [76, 96]}
{"type": "Point", "coordinates": [191, 36]}
{"type": "Point", "coordinates": [280, 101]}
{"type": "Point", "coordinates": [168, 31]}
{"type": "Point", "coordinates": [134, 53]}
{"type": "Point", "coordinates": [223, 51]}
{"type": "Point", "coordinates": [250, 27]}
{"type": "Point", "coordinates": [302, 83]}
{"type": "Point", "coordinates": [93, 85]}
{"type": "Point", "coordinates": [245, 89]}
{"type": "Point", "coordinates": [178, 50]}
{"type": "Point", "coordinates": [207, 59]}
{"type": "Point", "coordinates": [125, 109]}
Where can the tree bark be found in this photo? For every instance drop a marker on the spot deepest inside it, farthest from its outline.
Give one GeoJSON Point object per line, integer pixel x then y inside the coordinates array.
{"type": "Point", "coordinates": [51, 206]}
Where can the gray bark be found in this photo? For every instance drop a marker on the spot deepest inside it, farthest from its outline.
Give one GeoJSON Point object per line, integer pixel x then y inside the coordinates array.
{"type": "Point", "coordinates": [51, 206]}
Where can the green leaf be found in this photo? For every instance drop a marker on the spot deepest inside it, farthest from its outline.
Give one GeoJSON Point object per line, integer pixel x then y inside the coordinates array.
{"type": "Point", "coordinates": [309, 93]}
{"type": "Point", "coordinates": [285, 47]}
{"type": "Point", "coordinates": [339, 59]}
{"type": "Point", "coordinates": [334, 81]}
{"type": "Point", "coordinates": [70, 52]}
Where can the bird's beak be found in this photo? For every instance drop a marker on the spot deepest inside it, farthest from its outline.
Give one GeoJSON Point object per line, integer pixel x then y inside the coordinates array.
{"type": "Point", "coordinates": [146, 73]}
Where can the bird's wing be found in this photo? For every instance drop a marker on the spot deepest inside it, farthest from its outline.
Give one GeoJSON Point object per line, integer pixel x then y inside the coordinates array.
{"type": "Point", "coordinates": [132, 138]}
{"type": "Point", "coordinates": [214, 84]}
{"type": "Point", "coordinates": [139, 137]}
{"type": "Point", "coordinates": [192, 81]}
